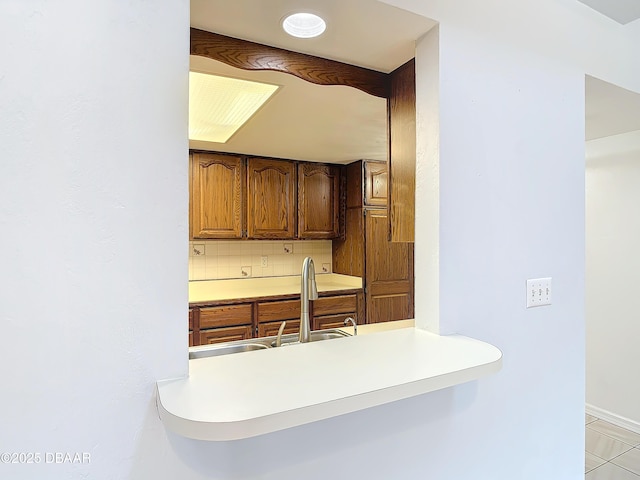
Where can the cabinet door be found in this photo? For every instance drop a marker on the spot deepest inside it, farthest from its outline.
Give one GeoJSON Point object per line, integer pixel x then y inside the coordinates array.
{"type": "Point", "coordinates": [389, 277]}
{"type": "Point", "coordinates": [375, 183]}
{"type": "Point", "coordinates": [271, 203]}
{"type": "Point", "coordinates": [216, 196]}
{"type": "Point", "coordinates": [318, 201]}
{"type": "Point", "coordinates": [227, 334]}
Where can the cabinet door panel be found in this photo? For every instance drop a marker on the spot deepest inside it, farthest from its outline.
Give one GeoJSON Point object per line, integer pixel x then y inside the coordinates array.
{"type": "Point", "coordinates": [375, 183]}
{"type": "Point", "coordinates": [389, 272]}
{"type": "Point", "coordinates": [216, 196]}
{"type": "Point", "coordinates": [271, 203]}
{"type": "Point", "coordinates": [319, 201]}
{"type": "Point", "coordinates": [227, 334]}
{"type": "Point", "coordinates": [385, 308]}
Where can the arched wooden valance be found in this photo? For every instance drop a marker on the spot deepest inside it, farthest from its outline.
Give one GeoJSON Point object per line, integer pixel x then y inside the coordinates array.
{"type": "Point", "coordinates": [254, 56]}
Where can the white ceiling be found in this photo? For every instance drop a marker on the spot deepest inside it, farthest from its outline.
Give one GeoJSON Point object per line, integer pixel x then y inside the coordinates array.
{"type": "Point", "coordinates": [609, 109]}
{"type": "Point", "coordinates": [340, 124]}
{"type": "Point", "coordinates": [366, 33]}
{"type": "Point", "coordinates": [304, 121]}
{"type": "Point", "coordinates": [622, 11]}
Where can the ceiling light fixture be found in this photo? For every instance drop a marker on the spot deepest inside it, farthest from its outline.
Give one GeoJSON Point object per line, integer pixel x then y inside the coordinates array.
{"type": "Point", "coordinates": [304, 25]}
{"type": "Point", "coordinates": [219, 106]}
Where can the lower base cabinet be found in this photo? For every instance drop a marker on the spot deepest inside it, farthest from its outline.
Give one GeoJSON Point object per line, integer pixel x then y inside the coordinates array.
{"type": "Point", "coordinates": [225, 334]}
{"type": "Point", "coordinates": [270, 329]}
{"type": "Point", "coordinates": [229, 322]}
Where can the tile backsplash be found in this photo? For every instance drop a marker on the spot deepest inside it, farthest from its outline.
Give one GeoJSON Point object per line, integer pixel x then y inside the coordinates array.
{"type": "Point", "coordinates": [217, 259]}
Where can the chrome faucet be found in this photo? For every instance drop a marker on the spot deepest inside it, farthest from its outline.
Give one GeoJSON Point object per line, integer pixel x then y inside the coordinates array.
{"type": "Point", "coordinates": [350, 320]}
{"type": "Point", "coordinates": [308, 291]}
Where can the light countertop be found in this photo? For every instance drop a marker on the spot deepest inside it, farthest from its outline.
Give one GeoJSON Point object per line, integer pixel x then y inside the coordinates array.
{"type": "Point", "coordinates": [218, 290]}
{"type": "Point", "coordinates": [252, 393]}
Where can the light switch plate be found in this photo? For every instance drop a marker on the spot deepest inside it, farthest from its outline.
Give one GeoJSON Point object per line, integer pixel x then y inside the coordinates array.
{"type": "Point", "coordinates": [538, 292]}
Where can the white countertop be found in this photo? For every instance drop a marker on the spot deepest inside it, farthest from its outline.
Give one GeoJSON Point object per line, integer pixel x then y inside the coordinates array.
{"type": "Point", "coordinates": [247, 394]}
{"type": "Point", "coordinates": [217, 290]}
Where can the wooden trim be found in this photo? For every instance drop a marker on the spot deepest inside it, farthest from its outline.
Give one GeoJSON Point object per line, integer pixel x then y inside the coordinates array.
{"type": "Point", "coordinates": [402, 153]}
{"type": "Point", "coordinates": [254, 56]}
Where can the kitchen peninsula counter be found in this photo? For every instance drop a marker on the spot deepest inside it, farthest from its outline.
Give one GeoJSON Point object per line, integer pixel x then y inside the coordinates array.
{"type": "Point", "coordinates": [242, 395]}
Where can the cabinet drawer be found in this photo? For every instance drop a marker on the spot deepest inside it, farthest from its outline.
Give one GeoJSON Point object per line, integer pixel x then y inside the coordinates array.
{"type": "Point", "coordinates": [225, 316]}
{"type": "Point", "coordinates": [228, 334]}
{"type": "Point", "coordinates": [283, 310]}
{"type": "Point", "coordinates": [337, 304]}
{"type": "Point", "coordinates": [332, 321]}
{"type": "Point", "coordinates": [270, 329]}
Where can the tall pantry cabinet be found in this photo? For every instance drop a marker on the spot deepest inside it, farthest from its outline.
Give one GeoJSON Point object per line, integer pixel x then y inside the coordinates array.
{"type": "Point", "coordinates": [386, 267]}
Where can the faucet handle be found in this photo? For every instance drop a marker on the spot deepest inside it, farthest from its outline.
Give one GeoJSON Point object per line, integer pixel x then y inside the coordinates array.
{"type": "Point", "coordinates": [280, 331]}
{"type": "Point", "coordinates": [350, 320]}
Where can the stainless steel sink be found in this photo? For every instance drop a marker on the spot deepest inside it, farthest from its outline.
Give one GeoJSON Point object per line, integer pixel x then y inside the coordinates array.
{"type": "Point", "coordinates": [316, 336]}
{"type": "Point", "coordinates": [224, 349]}
{"type": "Point", "coordinates": [263, 343]}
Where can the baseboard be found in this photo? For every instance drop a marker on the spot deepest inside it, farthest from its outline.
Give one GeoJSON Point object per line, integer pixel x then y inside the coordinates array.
{"type": "Point", "coordinates": [610, 417]}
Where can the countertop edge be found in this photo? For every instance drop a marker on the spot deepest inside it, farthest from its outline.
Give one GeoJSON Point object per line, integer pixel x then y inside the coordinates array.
{"type": "Point", "coordinates": [308, 413]}
{"type": "Point", "coordinates": [276, 297]}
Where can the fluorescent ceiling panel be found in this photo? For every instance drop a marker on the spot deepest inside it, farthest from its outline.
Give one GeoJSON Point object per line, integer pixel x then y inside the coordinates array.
{"type": "Point", "coordinates": [219, 106]}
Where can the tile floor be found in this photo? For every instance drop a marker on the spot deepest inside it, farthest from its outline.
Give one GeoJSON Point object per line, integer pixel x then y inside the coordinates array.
{"type": "Point", "coordinates": [612, 453]}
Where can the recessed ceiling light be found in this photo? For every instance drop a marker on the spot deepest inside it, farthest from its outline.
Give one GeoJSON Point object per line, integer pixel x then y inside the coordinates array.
{"type": "Point", "coordinates": [219, 106]}
{"type": "Point", "coordinates": [304, 25]}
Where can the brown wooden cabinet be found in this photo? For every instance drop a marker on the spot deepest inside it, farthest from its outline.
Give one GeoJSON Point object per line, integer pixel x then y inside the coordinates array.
{"type": "Point", "coordinates": [386, 268]}
{"type": "Point", "coordinates": [225, 334]}
{"type": "Point", "coordinates": [375, 183]}
{"type": "Point", "coordinates": [331, 312]}
{"type": "Point", "coordinates": [191, 335]}
{"type": "Point", "coordinates": [402, 153]}
{"type": "Point", "coordinates": [225, 321]}
{"type": "Point", "coordinates": [233, 197]}
{"type": "Point", "coordinates": [271, 201]}
{"type": "Point", "coordinates": [318, 201]}
{"type": "Point", "coordinates": [389, 272]}
{"type": "Point", "coordinates": [216, 196]}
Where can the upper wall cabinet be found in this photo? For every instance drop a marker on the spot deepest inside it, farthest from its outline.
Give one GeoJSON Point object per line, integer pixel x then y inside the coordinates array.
{"type": "Point", "coordinates": [318, 201]}
{"type": "Point", "coordinates": [216, 196]}
{"type": "Point", "coordinates": [271, 202]}
{"type": "Point", "coordinates": [375, 183]}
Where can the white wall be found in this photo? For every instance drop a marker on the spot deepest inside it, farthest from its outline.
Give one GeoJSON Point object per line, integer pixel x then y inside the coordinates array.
{"type": "Point", "coordinates": [613, 266]}
{"type": "Point", "coordinates": [93, 243]}
{"type": "Point", "coordinates": [93, 134]}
